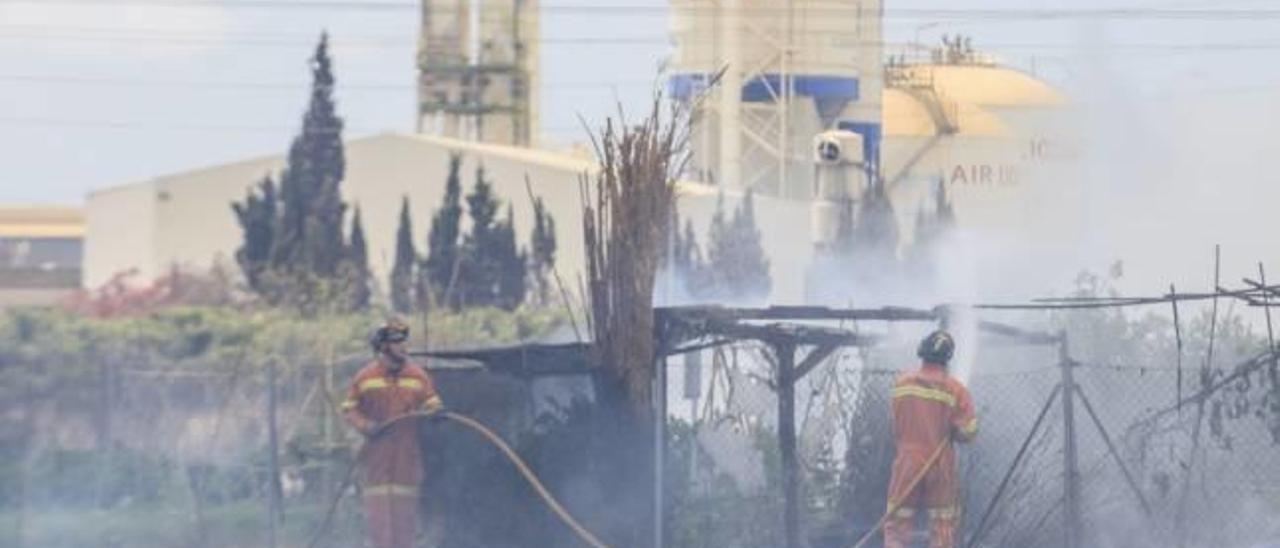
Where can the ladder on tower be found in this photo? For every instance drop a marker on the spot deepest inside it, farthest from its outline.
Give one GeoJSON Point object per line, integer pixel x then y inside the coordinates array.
{"type": "Point", "coordinates": [919, 84]}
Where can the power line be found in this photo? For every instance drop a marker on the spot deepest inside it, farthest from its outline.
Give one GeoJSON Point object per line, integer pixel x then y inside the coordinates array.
{"type": "Point", "coordinates": [1165, 95]}
{"type": "Point", "coordinates": [169, 126]}
{"type": "Point", "coordinates": [268, 86]}
{"type": "Point", "coordinates": [107, 124]}
{"type": "Point", "coordinates": [259, 41]}
{"type": "Point", "coordinates": [1020, 14]}
{"type": "Point", "coordinates": [401, 88]}
{"type": "Point", "coordinates": [387, 42]}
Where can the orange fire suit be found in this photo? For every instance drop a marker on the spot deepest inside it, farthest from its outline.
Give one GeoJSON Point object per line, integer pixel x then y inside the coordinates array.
{"type": "Point", "coordinates": [392, 463]}
{"type": "Point", "coordinates": [930, 408]}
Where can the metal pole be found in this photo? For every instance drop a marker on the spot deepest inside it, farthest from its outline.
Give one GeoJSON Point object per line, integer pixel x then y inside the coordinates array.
{"type": "Point", "coordinates": [1204, 382]}
{"type": "Point", "coordinates": [273, 466]}
{"type": "Point", "coordinates": [328, 414]}
{"type": "Point", "coordinates": [693, 392]}
{"type": "Point", "coordinates": [1213, 318]}
{"type": "Point", "coordinates": [103, 442]}
{"type": "Point", "coordinates": [1271, 337]}
{"type": "Point", "coordinates": [1266, 299]}
{"type": "Point", "coordinates": [28, 457]}
{"type": "Point", "coordinates": [1111, 448]}
{"type": "Point", "coordinates": [1177, 334]}
{"type": "Point", "coordinates": [1008, 475]}
{"type": "Point", "coordinates": [1071, 470]}
{"type": "Point", "coordinates": [730, 170]}
{"type": "Point", "coordinates": [786, 354]}
{"type": "Point", "coordinates": [659, 445]}
{"type": "Point", "coordinates": [784, 103]}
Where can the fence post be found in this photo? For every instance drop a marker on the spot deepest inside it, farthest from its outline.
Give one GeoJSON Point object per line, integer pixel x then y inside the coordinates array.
{"type": "Point", "coordinates": [659, 447]}
{"type": "Point", "coordinates": [328, 430]}
{"type": "Point", "coordinates": [273, 458]}
{"type": "Point", "coordinates": [103, 443]}
{"type": "Point", "coordinates": [786, 353]}
{"type": "Point", "coordinates": [1071, 471]}
{"type": "Point", "coordinates": [29, 442]}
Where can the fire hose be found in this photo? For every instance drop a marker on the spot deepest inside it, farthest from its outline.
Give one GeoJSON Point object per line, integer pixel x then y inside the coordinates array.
{"type": "Point", "coordinates": [545, 495]}
{"type": "Point", "coordinates": [895, 505]}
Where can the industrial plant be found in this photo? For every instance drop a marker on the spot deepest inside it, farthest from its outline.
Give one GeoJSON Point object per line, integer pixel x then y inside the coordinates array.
{"type": "Point", "coordinates": [768, 87]}
{"type": "Point", "coordinates": [807, 284]}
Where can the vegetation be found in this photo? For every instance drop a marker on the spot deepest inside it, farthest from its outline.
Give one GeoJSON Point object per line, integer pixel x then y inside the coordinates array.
{"type": "Point", "coordinates": [439, 271]}
{"type": "Point", "coordinates": [294, 250]}
{"type": "Point", "coordinates": [491, 267]}
{"type": "Point", "coordinates": [162, 410]}
{"type": "Point", "coordinates": [402, 286]}
{"type": "Point", "coordinates": [735, 268]}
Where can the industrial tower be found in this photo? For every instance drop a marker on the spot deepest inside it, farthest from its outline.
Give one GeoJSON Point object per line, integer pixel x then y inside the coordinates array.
{"type": "Point", "coordinates": [478, 70]}
{"type": "Point", "coordinates": [788, 70]}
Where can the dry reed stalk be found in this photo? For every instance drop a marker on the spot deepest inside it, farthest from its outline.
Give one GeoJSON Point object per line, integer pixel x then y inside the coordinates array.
{"type": "Point", "coordinates": [628, 208]}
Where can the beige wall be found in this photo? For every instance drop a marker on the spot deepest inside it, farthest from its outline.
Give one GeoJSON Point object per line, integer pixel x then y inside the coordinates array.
{"type": "Point", "coordinates": [382, 170]}
{"type": "Point", "coordinates": [119, 233]}
{"type": "Point", "coordinates": [20, 298]}
{"type": "Point", "coordinates": [186, 219]}
{"type": "Point", "coordinates": [195, 225]}
{"type": "Point", "coordinates": [784, 233]}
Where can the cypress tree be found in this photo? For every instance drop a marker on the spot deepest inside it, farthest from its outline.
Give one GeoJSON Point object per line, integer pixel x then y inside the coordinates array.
{"type": "Point", "coordinates": [863, 252]}
{"type": "Point", "coordinates": [671, 251]}
{"type": "Point", "coordinates": [509, 263]}
{"type": "Point", "coordinates": [310, 239]}
{"type": "Point", "coordinates": [736, 263]}
{"type": "Point", "coordinates": [842, 246]}
{"type": "Point", "coordinates": [357, 265]}
{"type": "Point", "coordinates": [719, 253]}
{"type": "Point", "coordinates": [688, 253]}
{"type": "Point", "coordinates": [258, 216]}
{"type": "Point", "coordinates": [542, 251]}
{"type": "Point", "coordinates": [688, 262]}
{"type": "Point", "coordinates": [751, 277]}
{"type": "Point", "coordinates": [439, 269]}
{"type": "Point", "coordinates": [477, 284]}
{"type": "Point", "coordinates": [875, 236]}
{"type": "Point", "coordinates": [402, 269]}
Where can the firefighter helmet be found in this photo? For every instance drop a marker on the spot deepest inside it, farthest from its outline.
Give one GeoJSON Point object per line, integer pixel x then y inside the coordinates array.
{"type": "Point", "coordinates": [937, 348]}
{"type": "Point", "coordinates": [395, 330]}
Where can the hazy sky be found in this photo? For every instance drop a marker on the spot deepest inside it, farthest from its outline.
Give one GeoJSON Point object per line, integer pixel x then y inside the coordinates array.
{"type": "Point", "coordinates": [99, 93]}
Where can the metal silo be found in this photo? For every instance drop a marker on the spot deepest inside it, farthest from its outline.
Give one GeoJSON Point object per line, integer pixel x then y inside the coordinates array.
{"type": "Point", "coordinates": [790, 71]}
{"type": "Point", "coordinates": [478, 70]}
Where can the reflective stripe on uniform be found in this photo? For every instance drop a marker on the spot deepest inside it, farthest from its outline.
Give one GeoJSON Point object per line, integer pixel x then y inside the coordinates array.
{"type": "Point", "coordinates": [381, 382]}
{"type": "Point", "coordinates": [371, 384]}
{"type": "Point", "coordinates": [904, 512]}
{"type": "Point", "coordinates": [409, 383]}
{"type": "Point", "coordinates": [948, 512]}
{"type": "Point", "coordinates": [921, 392]}
{"type": "Point", "coordinates": [348, 405]}
{"type": "Point", "coordinates": [391, 490]}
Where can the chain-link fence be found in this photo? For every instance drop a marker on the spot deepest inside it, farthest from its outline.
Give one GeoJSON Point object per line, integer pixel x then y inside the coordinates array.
{"type": "Point", "coordinates": [117, 446]}
{"type": "Point", "coordinates": [1142, 476]}
{"type": "Point", "coordinates": [148, 454]}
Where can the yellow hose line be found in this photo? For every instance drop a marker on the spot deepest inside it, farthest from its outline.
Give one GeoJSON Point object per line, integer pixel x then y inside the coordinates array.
{"type": "Point", "coordinates": [493, 438]}
{"type": "Point", "coordinates": [894, 506]}
{"type": "Point", "coordinates": [528, 474]}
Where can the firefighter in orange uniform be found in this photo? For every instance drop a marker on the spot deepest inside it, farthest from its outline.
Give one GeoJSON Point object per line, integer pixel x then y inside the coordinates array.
{"type": "Point", "coordinates": [389, 387]}
{"type": "Point", "coordinates": [930, 409]}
